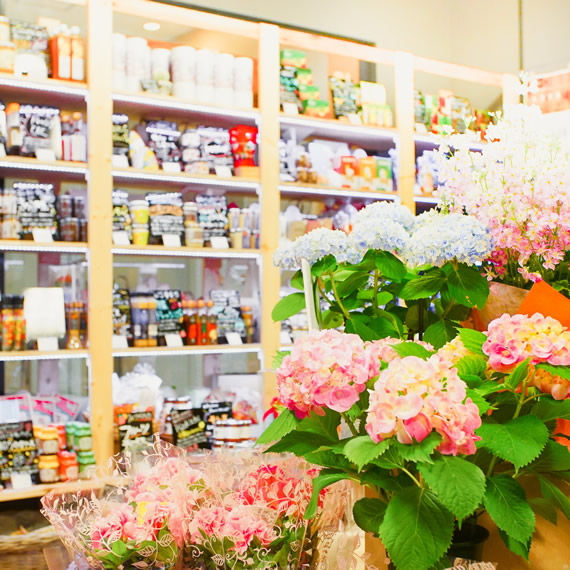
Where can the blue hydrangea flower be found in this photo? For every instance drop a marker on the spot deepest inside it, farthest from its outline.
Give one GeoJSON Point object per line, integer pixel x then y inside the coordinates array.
{"type": "Point", "coordinates": [379, 234]}
{"type": "Point", "coordinates": [380, 211]}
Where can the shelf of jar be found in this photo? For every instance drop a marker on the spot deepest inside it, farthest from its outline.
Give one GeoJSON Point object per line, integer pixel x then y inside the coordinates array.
{"type": "Point", "coordinates": [376, 137]}
{"type": "Point", "coordinates": [63, 169]}
{"type": "Point", "coordinates": [38, 247]}
{"type": "Point", "coordinates": [63, 354]}
{"type": "Point", "coordinates": [149, 177]}
{"type": "Point", "coordinates": [145, 102]}
{"type": "Point", "coordinates": [432, 141]}
{"type": "Point", "coordinates": [70, 90]}
{"type": "Point", "coordinates": [42, 489]}
{"type": "Point", "coordinates": [183, 251]}
{"type": "Point", "coordinates": [186, 350]}
{"type": "Point", "coordinates": [333, 192]}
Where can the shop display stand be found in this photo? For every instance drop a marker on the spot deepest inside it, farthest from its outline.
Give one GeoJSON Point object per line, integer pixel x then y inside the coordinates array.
{"type": "Point", "coordinates": [101, 176]}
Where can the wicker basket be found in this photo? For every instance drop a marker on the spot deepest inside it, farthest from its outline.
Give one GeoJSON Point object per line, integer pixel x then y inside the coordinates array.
{"type": "Point", "coordinates": [26, 551]}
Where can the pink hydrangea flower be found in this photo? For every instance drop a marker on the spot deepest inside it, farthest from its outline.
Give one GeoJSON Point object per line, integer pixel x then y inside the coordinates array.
{"type": "Point", "coordinates": [324, 369]}
{"type": "Point", "coordinates": [413, 397]}
{"type": "Point", "coordinates": [382, 351]}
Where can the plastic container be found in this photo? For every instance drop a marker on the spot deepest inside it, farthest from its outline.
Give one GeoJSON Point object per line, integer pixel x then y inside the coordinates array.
{"type": "Point", "coordinates": [86, 461]}
{"type": "Point", "coordinates": [194, 236]}
{"type": "Point", "coordinates": [68, 466]}
{"type": "Point", "coordinates": [48, 467]}
{"type": "Point", "coordinates": [139, 211]}
{"type": "Point", "coordinates": [140, 234]}
{"type": "Point", "coordinates": [83, 440]}
{"type": "Point", "coordinates": [7, 56]}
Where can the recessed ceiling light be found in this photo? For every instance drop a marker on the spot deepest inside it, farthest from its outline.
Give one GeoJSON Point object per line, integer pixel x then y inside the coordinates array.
{"type": "Point", "coordinates": [151, 26]}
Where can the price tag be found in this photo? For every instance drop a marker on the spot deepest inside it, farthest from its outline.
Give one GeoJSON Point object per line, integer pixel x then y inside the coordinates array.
{"type": "Point", "coordinates": [290, 108]}
{"type": "Point", "coordinates": [223, 171]}
{"type": "Point", "coordinates": [121, 238]}
{"type": "Point", "coordinates": [47, 343]}
{"type": "Point", "coordinates": [42, 235]}
{"type": "Point", "coordinates": [171, 240]}
{"type": "Point", "coordinates": [354, 119]}
{"type": "Point", "coordinates": [171, 167]}
{"type": "Point", "coordinates": [21, 480]}
{"type": "Point", "coordinates": [120, 341]}
{"type": "Point", "coordinates": [173, 340]}
{"type": "Point", "coordinates": [220, 242]}
{"type": "Point", "coordinates": [119, 161]}
{"type": "Point", "coordinates": [45, 155]}
{"type": "Point", "coordinates": [285, 338]}
{"type": "Point", "coordinates": [234, 338]}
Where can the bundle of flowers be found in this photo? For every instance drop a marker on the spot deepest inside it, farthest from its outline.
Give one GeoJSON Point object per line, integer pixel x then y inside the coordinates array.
{"type": "Point", "coordinates": [519, 187]}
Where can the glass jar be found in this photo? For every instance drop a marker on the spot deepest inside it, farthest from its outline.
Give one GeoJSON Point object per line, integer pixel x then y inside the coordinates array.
{"type": "Point", "coordinates": [19, 323]}
{"type": "Point", "coordinates": [8, 324]}
{"type": "Point", "coordinates": [48, 466]}
{"type": "Point", "coordinates": [83, 439]}
{"type": "Point", "coordinates": [68, 466]}
{"type": "Point", "coordinates": [74, 327]}
{"type": "Point", "coordinates": [70, 434]}
{"type": "Point", "coordinates": [139, 315]}
{"type": "Point", "coordinates": [86, 461]}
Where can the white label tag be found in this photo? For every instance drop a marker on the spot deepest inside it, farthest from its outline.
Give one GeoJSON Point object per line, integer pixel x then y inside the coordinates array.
{"type": "Point", "coordinates": [119, 161]}
{"type": "Point", "coordinates": [120, 341]}
{"type": "Point", "coordinates": [220, 242]}
{"type": "Point", "coordinates": [2, 151]}
{"type": "Point", "coordinates": [45, 154]}
{"type": "Point", "coordinates": [173, 340]}
{"type": "Point", "coordinates": [290, 108]}
{"type": "Point", "coordinates": [121, 238]}
{"type": "Point", "coordinates": [47, 343]}
{"type": "Point", "coordinates": [354, 119]}
{"type": "Point", "coordinates": [171, 167]}
{"type": "Point", "coordinates": [171, 240]}
{"type": "Point", "coordinates": [234, 338]}
{"type": "Point", "coordinates": [285, 338]}
{"type": "Point", "coordinates": [42, 235]}
{"type": "Point", "coordinates": [21, 481]}
{"type": "Point", "coordinates": [223, 171]}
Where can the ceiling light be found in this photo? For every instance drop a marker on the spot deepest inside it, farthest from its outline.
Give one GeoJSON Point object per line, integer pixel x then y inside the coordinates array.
{"type": "Point", "coordinates": [151, 26]}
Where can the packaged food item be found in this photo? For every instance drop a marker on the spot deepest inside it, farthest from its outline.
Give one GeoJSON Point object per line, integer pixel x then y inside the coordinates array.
{"type": "Point", "coordinates": [162, 137]}
{"type": "Point", "coordinates": [143, 314]}
{"type": "Point", "coordinates": [349, 170]}
{"type": "Point", "coordinates": [30, 38]}
{"type": "Point", "coordinates": [122, 313]}
{"type": "Point", "coordinates": [367, 169]}
{"type": "Point", "coordinates": [384, 180]}
{"type": "Point", "coordinates": [121, 217]}
{"type": "Point", "coordinates": [212, 216]}
{"type": "Point", "coordinates": [3, 129]}
{"type": "Point", "coordinates": [60, 52]}
{"type": "Point", "coordinates": [87, 466]}
{"type": "Point", "coordinates": [344, 95]}
{"type": "Point", "coordinates": [77, 55]}
{"type": "Point", "coordinates": [40, 129]}
{"type": "Point", "coordinates": [460, 114]}
{"type": "Point", "coordinates": [215, 149]}
{"type": "Point", "coordinates": [7, 56]}
{"type": "Point", "coordinates": [18, 451]}
{"type": "Point", "coordinates": [293, 58]}
{"type": "Point", "coordinates": [47, 440]}
{"type": "Point", "coordinates": [35, 207]}
{"type": "Point", "coordinates": [308, 92]}
{"type": "Point", "coordinates": [13, 129]}
{"type": "Point", "coordinates": [316, 108]}
{"type": "Point", "coordinates": [227, 308]}
{"type": "Point", "coordinates": [169, 315]}
{"type": "Point", "coordinates": [243, 145]}
{"type": "Point", "coordinates": [141, 234]}
{"type": "Point", "coordinates": [68, 466]}
{"type": "Point", "coordinates": [166, 215]}
{"type": "Point", "coordinates": [74, 326]}
{"type": "Point", "coordinates": [139, 211]}
{"type": "Point", "coordinates": [48, 468]}
{"type": "Point", "coordinates": [120, 134]}
{"type": "Point", "coordinates": [4, 29]}
{"type": "Point", "coordinates": [140, 155]}
{"type": "Point", "coordinates": [288, 88]}
{"type": "Point", "coordinates": [8, 323]}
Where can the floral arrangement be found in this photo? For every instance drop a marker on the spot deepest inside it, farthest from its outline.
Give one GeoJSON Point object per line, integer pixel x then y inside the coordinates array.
{"type": "Point", "coordinates": [519, 187]}
{"type": "Point", "coordinates": [438, 436]}
{"type": "Point", "coordinates": [219, 511]}
{"type": "Point", "coordinates": [358, 280]}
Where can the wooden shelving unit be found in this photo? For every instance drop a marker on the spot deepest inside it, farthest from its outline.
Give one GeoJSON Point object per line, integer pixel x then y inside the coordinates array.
{"type": "Point", "coordinates": [63, 354]}
{"type": "Point", "coordinates": [98, 97]}
{"type": "Point", "coordinates": [43, 489]}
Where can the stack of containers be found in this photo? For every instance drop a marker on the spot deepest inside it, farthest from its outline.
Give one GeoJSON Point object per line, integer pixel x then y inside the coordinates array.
{"type": "Point", "coordinates": [224, 80]}
{"type": "Point", "coordinates": [205, 60]}
{"type": "Point", "coordinates": [138, 63]}
{"type": "Point", "coordinates": [243, 83]}
{"type": "Point", "coordinates": [119, 62]}
{"type": "Point", "coordinates": [183, 72]}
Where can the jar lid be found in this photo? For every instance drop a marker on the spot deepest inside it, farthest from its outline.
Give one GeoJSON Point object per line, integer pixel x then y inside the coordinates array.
{"type": "Point", "coordinates": [138, 204]}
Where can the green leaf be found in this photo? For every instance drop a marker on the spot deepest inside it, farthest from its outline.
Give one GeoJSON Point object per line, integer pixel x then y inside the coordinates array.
{"type": "Point", "coordinates": [409, 348]}
{"type": "Point", "coordinates": [519, 441]}
{"type": "Point", "coordinates": [419, 452]}
{"type": "Point", "coordinates": [472, 340]}
{"type": "Point", "coordinates": [362, 450]}
{"type": "Point", "coordinates": [323, 265]}
{"type": "Point", "coordinates": [562, 371]}
{"type": "Point", "coordinates": [544, 508]}
{"type": "Point", "coordinates": [471, 365]}
{"type": "Point", "coordinates": [369, 514]}
{"type": "Point", "coordinates": [553, 494]}
{"type": "Point", "coordinates": [516, 546]}
{"type": "Point", "coordinates": [547, 409]}
{"type": "Point", "coordinates": [467, 286]}
{"type": "Point", "coordinates": [351, 284]}
{"type": "Point", "coordinates": [278, 358]}
{"type": "Point", "coordinates": [325, 478]}
{"type": "Point", "coordinates": [459, 484]}
{"type": "Point", "coordinates": [354, 326]}
{"type": "Point", "coordinates": [284, 423]}
{"type": "Point", "coordinates": [424, 286]}
{"type": "Point", "coordinates": [385, 479]}
{"type": "Point", "coordinates": [332, 320]}
{"type": "Point", "coordinates": [517, 376]}
{"type": "Point", "coordinates": [389, 266]}
{"type": "Point", "coordinates": [329, 458]}
{"type": "Point", "coordinates": [119, 548]}
{"type": "Point", "coordinates": [299, 443]}
{"type": "Point", "coordinates": [440, 333]}
{"type": "Point", "coordinates": [506, 504]}
{"type": "Point", "coordinates": [288, 306]}
{"type": "Point", "coordinates": [479, 401]}
{"type": "Point", "coordinates": [417, 529]}
{"type": "Point", "coordinates": [383, 297]}
{"type": "Point", "coordinates": [554, 457]}
{"type": "Point", "coordinates": [325, 425]}
{"type": "Point", "coordinates": [297, 281]}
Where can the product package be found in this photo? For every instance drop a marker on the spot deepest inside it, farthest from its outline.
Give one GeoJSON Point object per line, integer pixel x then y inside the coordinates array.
{"type": "Point", "coordinates": [121, 216]}
{"type": "Point", "coordinates": [121, 135]}
{"type": "Point", "coordinates": [215, 149]}
{"type": "Point", "coordinates": [244, 145]}
{"type": "Point", "coordinates": [288, 88]}
{"type": "Point", "coordinates": [190, 145]}
{"type": "Point", "coordinates": [40, 129]}
{"type": "Point", "coordinates": [344, 95]}
{"type": "Point", "coordinates": [162, 138]}
{"type": "Point", "coordinates": [166, 215]}
{"type": "Point", "coordinates": [122, 314]}
{"type": "Point", "coordinates": [169, 313]}
{"type": "Point", "coordinates": [36, 207]}
{"type": "Point", "coordinates": [227, 308]}
{"type": "Point", "coordinates": [212, 213]}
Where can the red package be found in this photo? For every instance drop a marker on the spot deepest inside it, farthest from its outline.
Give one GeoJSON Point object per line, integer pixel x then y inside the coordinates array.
{"type": "Point", "coordinates": [243, 140]}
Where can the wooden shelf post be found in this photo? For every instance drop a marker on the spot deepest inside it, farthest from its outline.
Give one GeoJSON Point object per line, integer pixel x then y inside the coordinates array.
{"type": "Point", "coordinates": [100, 187]}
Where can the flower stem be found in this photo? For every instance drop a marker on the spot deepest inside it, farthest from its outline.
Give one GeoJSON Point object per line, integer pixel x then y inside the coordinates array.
{"type": "Point", "coordinates": [411, 477]}
{"type": "Point", "coordinates": [375, 297]}
{"type": "Point", "coordinates": [336, 296]}
{"type": "Point", "coordinates": [449, 307]}
{"type": "Point", "coordinates": [349, 423]}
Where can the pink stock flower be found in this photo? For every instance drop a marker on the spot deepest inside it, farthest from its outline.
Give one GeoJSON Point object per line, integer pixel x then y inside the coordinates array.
{"type": "Point", "coordinates": [413, 397]}
{"type": "Point", "coordinates": [325, 368]}
{"type": "Point", "coordinates": [382, 351]}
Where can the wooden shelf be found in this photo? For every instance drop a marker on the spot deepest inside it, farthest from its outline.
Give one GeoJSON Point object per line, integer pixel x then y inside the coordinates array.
{"type": "Point", "coordinates": [45, 488]}
{"type": "Point", "coordinates": [57, 88]}
{"type": "Point", "coordinates": [32, 246]}
{"type": "Point", "coordinates": [150, 177]}
{"type": "Point", "coordinates": [421, 199]}
{"type": "Point", "coordinates": [332, 192]}
{"type": "Point", "coordinates": [432, 141]}
{"type": "Point", "coordinates": [145, 102]}
{"type": "Point", "coordinates": [43, 355]}
{"type": "Point", "coordinates": [58, 168]}
{"type": "Point", "coordinates": [186, 350]}
{"type": "Point", "coordinates": [374, 137]}
{"type": "Point", "coordinates": [204, 252]}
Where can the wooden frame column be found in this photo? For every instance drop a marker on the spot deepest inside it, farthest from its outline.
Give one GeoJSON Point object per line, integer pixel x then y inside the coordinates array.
{"type": "Point", "coordinates": [100, 186]}
{"type": "Point", "coordinates": [270, 198]}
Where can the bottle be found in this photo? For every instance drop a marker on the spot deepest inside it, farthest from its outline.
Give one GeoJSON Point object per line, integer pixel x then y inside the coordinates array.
{"type": "Point", "coordinates": [78, 142]}
{"type": "Point", "coordinates": [192, 337]}
{"type": "Point", "coordinates": [68, 466]}
{"type": "Point", "coordinates": [19, 323]}
{"type": "Point", "coordinates": [7, 323]}
{"type": "Point", "coordinates": [212, 324]}
{"type": "Point", "coordinates": [82, 324]}
{"type": "Point", "coordinates": [13, 128]}
{"type": "Point", "coordinates": [185, 316]}
{"type": "Point", "coordinates": [201, 322]}
{"type": "Point", "coordinates": [152, 327]}
{"type": "Point", "coordinates": [247, 316]}
{"type": "Point", "coordinates": [77, 55]}
{"type": "Point", "coordinates": [65, 120]}
{"type": "Point", "coordinates": [60, 52]}
{"type": "Point", "coordinates": [74, 325]}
